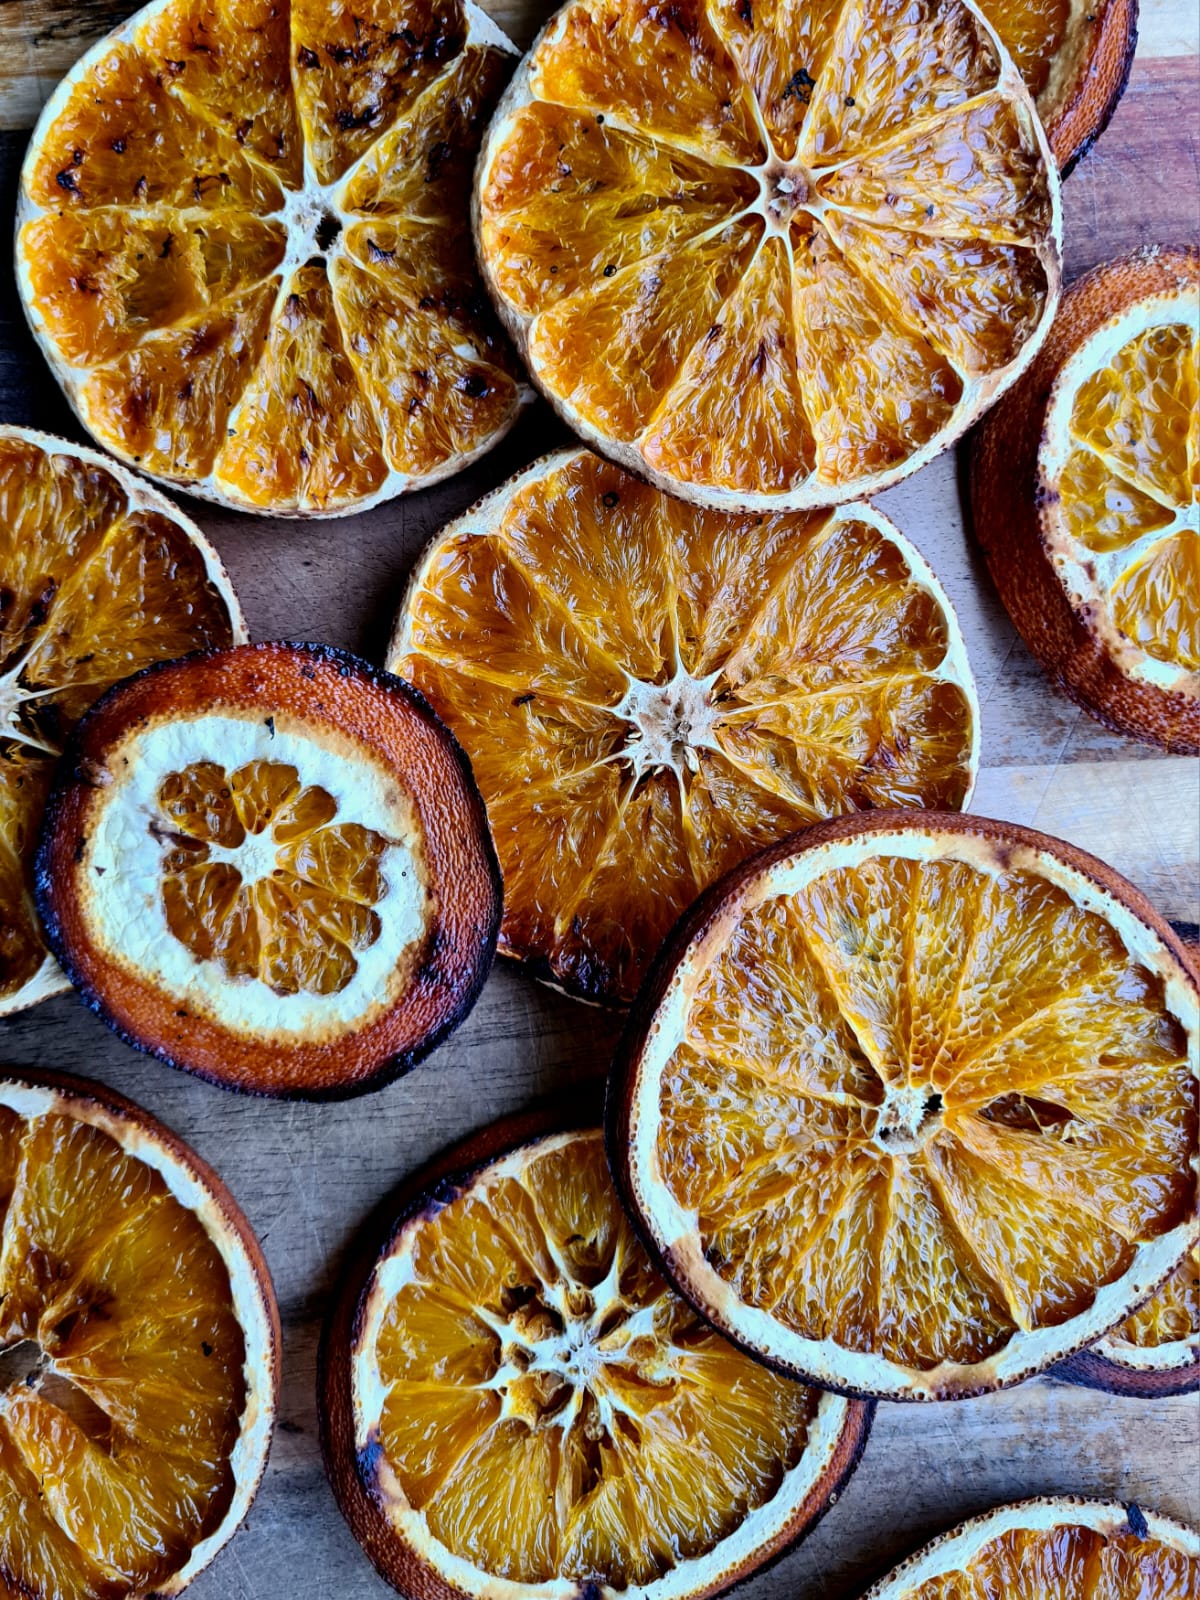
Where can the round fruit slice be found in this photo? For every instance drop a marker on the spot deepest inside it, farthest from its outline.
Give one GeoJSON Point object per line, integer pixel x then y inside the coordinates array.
{"type": "Point", "coordinates": [271, 866]}
{"type": "Point", "coordinates": [243, 245]}
{"type": "Point", "coordinates": [517, 1407]}
{"type": "Point", "coordinates": [139, 1349]}
{"type": "Point", "coordinates": [773, 258]}
{"type": "Point", "coordinates": [1085, 486]}
{"type": "Point", "coordinates": [649, 691]}
{"type": "Point", "coordinates": [910, 1105]}
{"type": "Point", "coordinates": [99, 576]}
{"type": "Point", "coordinates": [1050, 1548]}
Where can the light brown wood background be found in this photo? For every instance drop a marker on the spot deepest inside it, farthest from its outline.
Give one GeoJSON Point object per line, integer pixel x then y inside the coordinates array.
{"type": "Point", "coordinates": [308, 1175]}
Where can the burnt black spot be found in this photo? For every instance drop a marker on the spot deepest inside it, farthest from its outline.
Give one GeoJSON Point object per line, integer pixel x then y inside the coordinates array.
{"type": "Point", "coordinates": [933, 1105]}
{"type": "Point", "coordinates": [348, 121]}
{"type": "Point", "coordinates": [118, 147]}
{"type": "Point", "coordinates": [327, 230]}
{"type": "Point", "coordinates": [40, 608]}
{"type": "Point", "coordinates": [205, 1348]}
{"type": "Point", "coordinates": [1138, 1525]}
{"type": "Point", "coordinates": [66, 180]}
{"type": "Point", "coordinates": [369, 1459]}
{"type": "Point", "coordinates": [270, 726]}
{"type": "Point", "coordinates": [475, 385]}
{"type": "Point", "coordinates": [610, 270]}
{"type": "Point", "coordinates": [800, 86]}
{"type": "Point", "coordinates": [610, 498]}
{"type": "Point", "coordinates": [850, 100]}
{"type": "Point", "coordinates": [524, 699]}
{"type": "Point", "coordinates": [745, 13]}
{"type": "Point", "coordinates": [80, 846]}
{"type": "Point", "coordinates": [307, 58]}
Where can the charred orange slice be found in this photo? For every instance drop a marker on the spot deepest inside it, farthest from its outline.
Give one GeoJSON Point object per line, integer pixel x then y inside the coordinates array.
{"type": "Point", "coordinates": [99, 576]}
{"type": "Point", "coordinates": [243, 246]}
{"type": "Point", "coordinates": [910, 1105]}
{"type": "Point", "coordinates": [139, 1349]}
{"type": "Point", "coordinates": [515, 1404]}
{"type": "Point", "coordinates": [271, 866]}
{"type": "Point", "coordinates": [649, 691]}
{"type": "Point", "coordinates": [1050, 1548]}
{"type": "Point", "coordinates": [770, 258]}
{"type": "Point", "coordinates": [1085, 485]}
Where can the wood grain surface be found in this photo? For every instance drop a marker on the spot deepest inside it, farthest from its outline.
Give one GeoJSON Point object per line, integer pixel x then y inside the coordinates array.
{"type": "Point", "coordinates": [308, 1175]}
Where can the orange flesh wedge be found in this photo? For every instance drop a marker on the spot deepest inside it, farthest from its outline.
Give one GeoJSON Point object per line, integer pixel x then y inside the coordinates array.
{"type": "Point", "coordinates": [98, 578]}
{"type": "Point", "coordinates": [648, 691]}
{"type": "Point", "coordinates": [1172, 1315]}
{"type": "Point", "coordinates": [769, 256]}
{"type": "Point", "coordinates": [116, 1453]}
{"type": "Point", "coordinates": [243, 246]}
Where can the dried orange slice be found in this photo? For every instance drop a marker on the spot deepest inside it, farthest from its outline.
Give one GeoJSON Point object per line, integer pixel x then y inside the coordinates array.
{"type": "Point", "coordinates": [243, 245]}
{"type": "Point", "coordinates": [770, 258]}
{"type": "Point", "coordinates": [271, 866]}
{"type": "Point", "coordinates": [99, 576]}
{"type": "Point", "coordinates": [910, 1107]}
{"type": "Point", "coordinates": [1085, 485]}
{"type": "Point", "coordinates": [139, 1349]}
{"type": "Point", "coordinates": [1059, 1548]}
{"type": "Point", "coordinates": [516, 1404]}
{"type": "Point", "coordinates": [648, 691]}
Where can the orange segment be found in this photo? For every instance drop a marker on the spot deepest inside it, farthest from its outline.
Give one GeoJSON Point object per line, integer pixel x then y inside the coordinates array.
{"type": "Point", "coordinates": [648, 691]}
{"type": "Point", "coordinates": [875, 390]}
{"type": "Point", "coordinates": [667, 76]}
{"type": "Point", "coordinates": [1032, 32]}
{"type": "Point", "coordinates": [895, 64]}
{"type": "Point", "coordinates": [35, 1553]}
{"type": "Point", "coordinates": [1173, 1313]}
{"type": "Point", "coordinates": [734, 413]}
{"type": "Point", "coordinates": [644, 323]}
{"type": "Point", "coordinates": [357, 68]}
{"type": "Point", "coordinates": [781, 50]}
{"type": "Point", "coordinates": [1102, 511]}
{"type": "Point", "coordinates": [124, 140]}
{"type": "Point", "coordinates": [1157, 604]}
{"type": "Point", "coordinates": [168, 400]}
{"type": "Point", "coordinates": [1136, 411]}
{"type": "Point", "coordinates": [282, 450]}
{"type": "Point", "coordinates": [631, 199]}
{"type": "Point", "coordinates": [104, 279]}
{"type": "Point", "coordinates": [421, 343]}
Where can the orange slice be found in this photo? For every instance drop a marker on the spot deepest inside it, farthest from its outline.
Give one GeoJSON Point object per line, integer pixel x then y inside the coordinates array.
{"type": "Point", "coordinates": [1085, 484]}
{"type": "Point", "coordinates": [910, 1107]}
{"type": "Point", "coordinates": [99, 576]}
{"type": "Point", "coordinates": [139, 1339]}
{"type": "Point", "coordinates": [516, 1404]}
{"type": "Point", "coordinates": [1054, 1549]}
{"type": "Point", "coordinates": [271, 866]}
{"type": "Point", "coordinates": [648, 691]}
{"type": "Point", "coordinates": [242, 244]}
{"type": "Point", "coordinates": [768, 257]}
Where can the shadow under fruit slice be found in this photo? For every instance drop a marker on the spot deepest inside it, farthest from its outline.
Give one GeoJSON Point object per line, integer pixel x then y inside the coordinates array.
{"type": "Point", "coordinates": [1085, 491]}
{"type": "Point", "coordinates": [243, 245]}
{"type": "Point", "coordinates": [100, 575]}
{"type": "Point", "coordinates": [769, 258]}
{"type": "Point", "coordinates": [514, 1402]}
{"type": "Point", "coordinates": [1057, 1545]}
{"type": "Point", "coordinates": [648, 691]}
{"type": "Point", "coordinates": [909, 1105]}
{"type": "Point", "coordinates": [139, 1349]}
{"type": "Point", "coordinates": [271, 866]}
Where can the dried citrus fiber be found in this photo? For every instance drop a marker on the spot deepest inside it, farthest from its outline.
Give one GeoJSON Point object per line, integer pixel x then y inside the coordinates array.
{"type": "Point", "coordinates": [99, 575]}
{"type": "Point", "coordinates": [517, 1406]}
{"type": "Point", "coordinates": [271, 866]}
{"type": "Point", "coordinates": [140, 1345]}
{"type": "Point", "coordinates": [1057, 1548]}
{"type": "Point", "coordinates": [910, 1106]}
{"type": "Point", "coordinates": [1085, 485]}
{"type": "Point", "coordinates": [770, 258]}
{"type": "Point", "coordinates": [242, 244]}
{"type": "Point", "coordinates": [647, 691]}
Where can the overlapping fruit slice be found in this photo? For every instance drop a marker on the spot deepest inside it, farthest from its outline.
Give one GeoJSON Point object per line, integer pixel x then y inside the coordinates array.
{"type": "Point", "coordinates": [99, 576]}
{"type": "Point", "coordinates": [770, 258]}
{"type": "Point", "coordinates": [139, 1333]}
{"type": "Point", "coordinates": [913, 1110]}
{"type": "Point", "coordinates": [1084, 1549]}
{"type": "Point", "coordinates": [532, 1403]}
{"type": "Point", "coordinates": [1088, 501]}
{"type": "Point", "coordinates": [648, 691]}
{"type": "Point", "coordinates": [243, 245]}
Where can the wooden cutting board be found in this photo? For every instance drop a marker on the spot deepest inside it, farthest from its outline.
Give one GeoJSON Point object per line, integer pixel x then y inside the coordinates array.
{"type": "Point", "coordinates": [308, 1175]}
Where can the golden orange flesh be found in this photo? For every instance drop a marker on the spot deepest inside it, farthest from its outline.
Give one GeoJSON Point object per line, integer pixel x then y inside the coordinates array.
{"type": "Point", "coordinates": [296, 928]}
{"type": "Point", "coordinates": [551, 1407]}
{"type": "Point", "coordinates": [239, 320]}
{"type": "Point", "coordinates": [1066, 1561]}
{"type": "Point", "coordinates": [648, 692]}
{"type": "Point", "coordinates": [768, 252]}
{"type": "Point", "coordinates": [115, 1459]}
{"type": "Point", "coordinates": [92, 588]}
{"type": "Point", "coordinates": [1173, 1314]}
{"type": "Point", "coordinates": [1135, 473]}
{"type": "Point", "coordinates": [917, 1107]}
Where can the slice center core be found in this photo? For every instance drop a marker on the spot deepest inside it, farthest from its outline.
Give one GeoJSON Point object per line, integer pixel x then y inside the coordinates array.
{"type": "Point", "coordinates": [910, 1115]}
{"type": "Point", "coordinates": [668, 722]}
